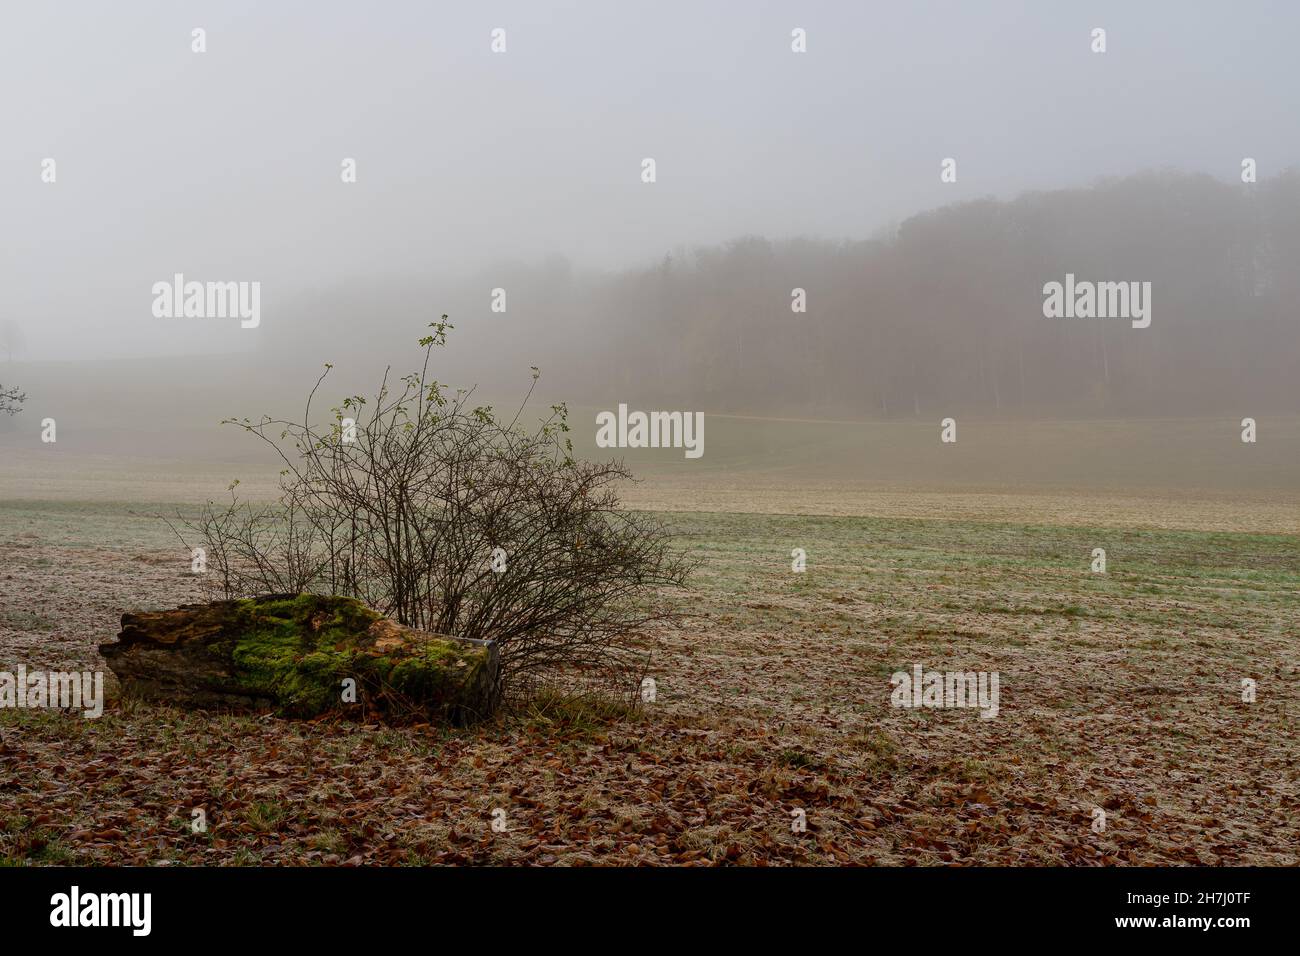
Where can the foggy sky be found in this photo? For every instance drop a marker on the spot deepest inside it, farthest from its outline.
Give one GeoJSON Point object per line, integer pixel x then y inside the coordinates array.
{"type": "Point", "coordinates": [225, 165]}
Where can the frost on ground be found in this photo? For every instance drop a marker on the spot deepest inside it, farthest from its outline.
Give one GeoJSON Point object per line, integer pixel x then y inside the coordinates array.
{"type": "Point", "coordinates": [1120, 691]}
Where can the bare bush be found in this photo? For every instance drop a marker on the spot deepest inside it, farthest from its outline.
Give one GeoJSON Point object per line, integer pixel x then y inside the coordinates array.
{"type": "Point", "coordinates": [406, 509]}
{"type": "Point", "coordinates": [11, 400]}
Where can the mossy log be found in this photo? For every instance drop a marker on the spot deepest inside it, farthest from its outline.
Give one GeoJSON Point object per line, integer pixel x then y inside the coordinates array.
{"type": "Point", "coordinates": [294, 653]}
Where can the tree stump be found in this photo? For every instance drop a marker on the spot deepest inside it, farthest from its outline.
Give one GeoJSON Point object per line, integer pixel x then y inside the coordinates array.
{"type": "Point", "coordinates": [294, 653]}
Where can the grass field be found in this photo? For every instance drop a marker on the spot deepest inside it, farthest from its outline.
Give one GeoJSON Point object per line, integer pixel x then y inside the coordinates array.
{"type": "Point", "coordinates": [1119, 690]}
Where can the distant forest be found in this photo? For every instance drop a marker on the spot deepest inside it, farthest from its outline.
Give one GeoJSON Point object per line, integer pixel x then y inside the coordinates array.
{"type": "Point", "coordinates": [947, 314]}
{"type": "Point", "coordinates": [942, 315]}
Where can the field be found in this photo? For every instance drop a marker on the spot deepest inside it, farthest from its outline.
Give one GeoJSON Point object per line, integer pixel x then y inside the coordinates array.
{"type": "Point", "coordinates": [1120, 691]}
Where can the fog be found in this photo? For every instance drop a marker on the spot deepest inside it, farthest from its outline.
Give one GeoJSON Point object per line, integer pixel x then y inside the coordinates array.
{"type": "Point", "coordinates": [522, 170]}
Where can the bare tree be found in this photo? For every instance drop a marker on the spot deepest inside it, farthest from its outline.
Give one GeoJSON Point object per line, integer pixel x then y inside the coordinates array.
{"type": "Point", "coordinates": [11, 399]}
{"type": "Point", "coordinates": [448, 518]}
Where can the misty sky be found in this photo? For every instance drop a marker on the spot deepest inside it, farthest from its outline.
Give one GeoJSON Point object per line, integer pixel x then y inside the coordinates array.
{"type": "Point", "coordinates": [225, 165]}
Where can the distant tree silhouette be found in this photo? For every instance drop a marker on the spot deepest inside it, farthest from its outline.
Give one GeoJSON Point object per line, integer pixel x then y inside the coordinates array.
{"type": "Point", "coordinates": [10, 400]}
{"type": "Point", "coordinates": [947, 314]}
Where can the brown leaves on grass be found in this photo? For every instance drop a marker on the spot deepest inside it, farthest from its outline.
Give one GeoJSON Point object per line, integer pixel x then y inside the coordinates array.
{"type": "Point", "coordinates": [766, 706]}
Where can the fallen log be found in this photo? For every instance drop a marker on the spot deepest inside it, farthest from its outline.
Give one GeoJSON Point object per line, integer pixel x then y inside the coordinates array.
{"type": "Point", "coordinates": [295, 654]}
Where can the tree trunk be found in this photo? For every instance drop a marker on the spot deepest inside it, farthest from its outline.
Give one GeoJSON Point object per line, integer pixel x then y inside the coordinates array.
{"type": "Point", "coordinates": [296, 653]}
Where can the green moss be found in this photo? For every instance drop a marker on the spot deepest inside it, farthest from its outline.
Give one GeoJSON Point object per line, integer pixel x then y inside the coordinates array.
{"type": "Point", "coordinates": [296, 650]}
{"type": "Point", "coordinates": [438, 671]}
